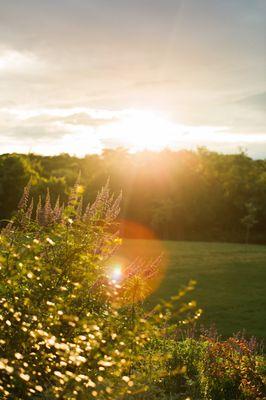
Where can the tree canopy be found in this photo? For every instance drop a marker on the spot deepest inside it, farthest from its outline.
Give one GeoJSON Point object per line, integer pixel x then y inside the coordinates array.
{"type": "Point", "coordinates": [185, 195]}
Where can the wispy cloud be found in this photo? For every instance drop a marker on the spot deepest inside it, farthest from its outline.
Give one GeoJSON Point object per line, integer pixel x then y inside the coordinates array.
{"type": "Point", "coordinates": [255, 101]}
{"type": "Point", "coordinates": [15, 62]}
{"type": "Point", "coordinates": [82, 130]}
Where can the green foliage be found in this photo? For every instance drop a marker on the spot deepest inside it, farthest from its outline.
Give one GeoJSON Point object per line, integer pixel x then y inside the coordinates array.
{"type": "Point", "coordinates": [229, 369]}
{"type": "Point", "coordinates": [15, 172]}
{"type": "Point", "coordinates": [249, 220]}
{"type": "Point", "coordinates": [206, 368]}
{"type": "Point", "coordinates": [67, 330]}
{"type": "Point", "coordinates": [181, 195]}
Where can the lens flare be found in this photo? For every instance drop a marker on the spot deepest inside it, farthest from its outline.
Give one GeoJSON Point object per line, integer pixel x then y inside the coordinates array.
{"type": "Point", "coordinates": [116, 273]}
{"type": "Point", "coordinates": [137, 270]}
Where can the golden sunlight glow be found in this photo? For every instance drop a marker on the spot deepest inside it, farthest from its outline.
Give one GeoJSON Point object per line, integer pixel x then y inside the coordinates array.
{"type": "Point", "coordinates": [116, 273]}
{"type": "Point", "coordinates": [82, 130]}
{"type": "Point", "coordinates": [143, 130]}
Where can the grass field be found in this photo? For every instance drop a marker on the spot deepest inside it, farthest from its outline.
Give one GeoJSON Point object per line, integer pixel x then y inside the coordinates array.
{"type": "Point", "coordinates": [230, 280]}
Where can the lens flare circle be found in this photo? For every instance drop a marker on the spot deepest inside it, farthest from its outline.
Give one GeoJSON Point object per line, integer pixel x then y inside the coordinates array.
{"type": "Point", "coordinates": [137, 269]}
{"type": "Point", "coordinates": [116, 273]}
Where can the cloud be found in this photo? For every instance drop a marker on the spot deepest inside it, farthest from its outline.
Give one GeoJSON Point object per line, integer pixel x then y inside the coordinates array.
{"type": "Point", "coordinates": [52, 131]}
{"type": "Point", "coordinates": [77, 119]}
{"type": "Point", "coordinates": [82, 130]}
{"type": "Point", "coordinates": [15, 62]}
{"type": "Point", "coordinates": [52, 123]}
{"type": "Point", "coordinates": [256, 101]}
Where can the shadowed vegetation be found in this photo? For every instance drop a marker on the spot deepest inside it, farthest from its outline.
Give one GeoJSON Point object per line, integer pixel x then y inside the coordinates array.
{"type": "Point", "coordinates": [179, 195]}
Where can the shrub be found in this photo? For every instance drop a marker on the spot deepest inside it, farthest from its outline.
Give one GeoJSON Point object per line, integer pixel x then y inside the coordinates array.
{"type": "Point", "coordinates": [229, 369]}
{"type": "Point", "coordinates": [68, 330]}
{"type": "Point", "coordinates": [207, 368]}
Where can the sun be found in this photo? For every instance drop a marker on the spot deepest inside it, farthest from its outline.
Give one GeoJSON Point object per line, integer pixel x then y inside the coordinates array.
{"type": "Point", "coordinates": [143, 130]}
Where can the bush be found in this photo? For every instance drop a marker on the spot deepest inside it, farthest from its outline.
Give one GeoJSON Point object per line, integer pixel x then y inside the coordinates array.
{"type": "Point", "coordinates": [229, 369]}
{"type": "Point", "coordinates": [214, 369]}
{"type": "Point", "coordinates": [68, 329]}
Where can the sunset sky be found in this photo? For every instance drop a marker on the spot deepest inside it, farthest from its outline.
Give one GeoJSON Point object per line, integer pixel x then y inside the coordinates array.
{"type": "Point", "coordinates": [80, 75]}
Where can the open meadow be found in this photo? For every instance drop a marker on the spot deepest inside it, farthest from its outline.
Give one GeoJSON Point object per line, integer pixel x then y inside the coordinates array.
{"type": "Point", "coordinates": [230, 280]}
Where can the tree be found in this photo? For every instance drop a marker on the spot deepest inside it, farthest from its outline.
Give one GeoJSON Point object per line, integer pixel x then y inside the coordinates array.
{"type": "Point", "coordinates": [15, 172]}
{"type": "Point", "coordinates": [249, 220]}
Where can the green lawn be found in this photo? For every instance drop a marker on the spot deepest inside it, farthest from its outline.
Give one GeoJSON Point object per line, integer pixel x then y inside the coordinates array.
{"type": "Point", "coordinates": [230, 280]}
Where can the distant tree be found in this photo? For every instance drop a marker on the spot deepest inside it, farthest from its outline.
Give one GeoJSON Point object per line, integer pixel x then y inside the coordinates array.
{"type": "Point", "coordinates": [15, 172]}
{"type": "Point", "coordinates": [249, 220]}
{"type": "Point", "coordinates": [162, 218]}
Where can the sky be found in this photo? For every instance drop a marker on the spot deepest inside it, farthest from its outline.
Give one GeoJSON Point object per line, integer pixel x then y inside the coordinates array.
{"type": "Point", "coordinates": [78, 76]}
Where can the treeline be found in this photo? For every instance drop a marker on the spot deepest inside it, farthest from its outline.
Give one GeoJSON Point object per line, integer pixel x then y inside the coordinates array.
{"type": "Point", "coordinates": [183, 195]}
